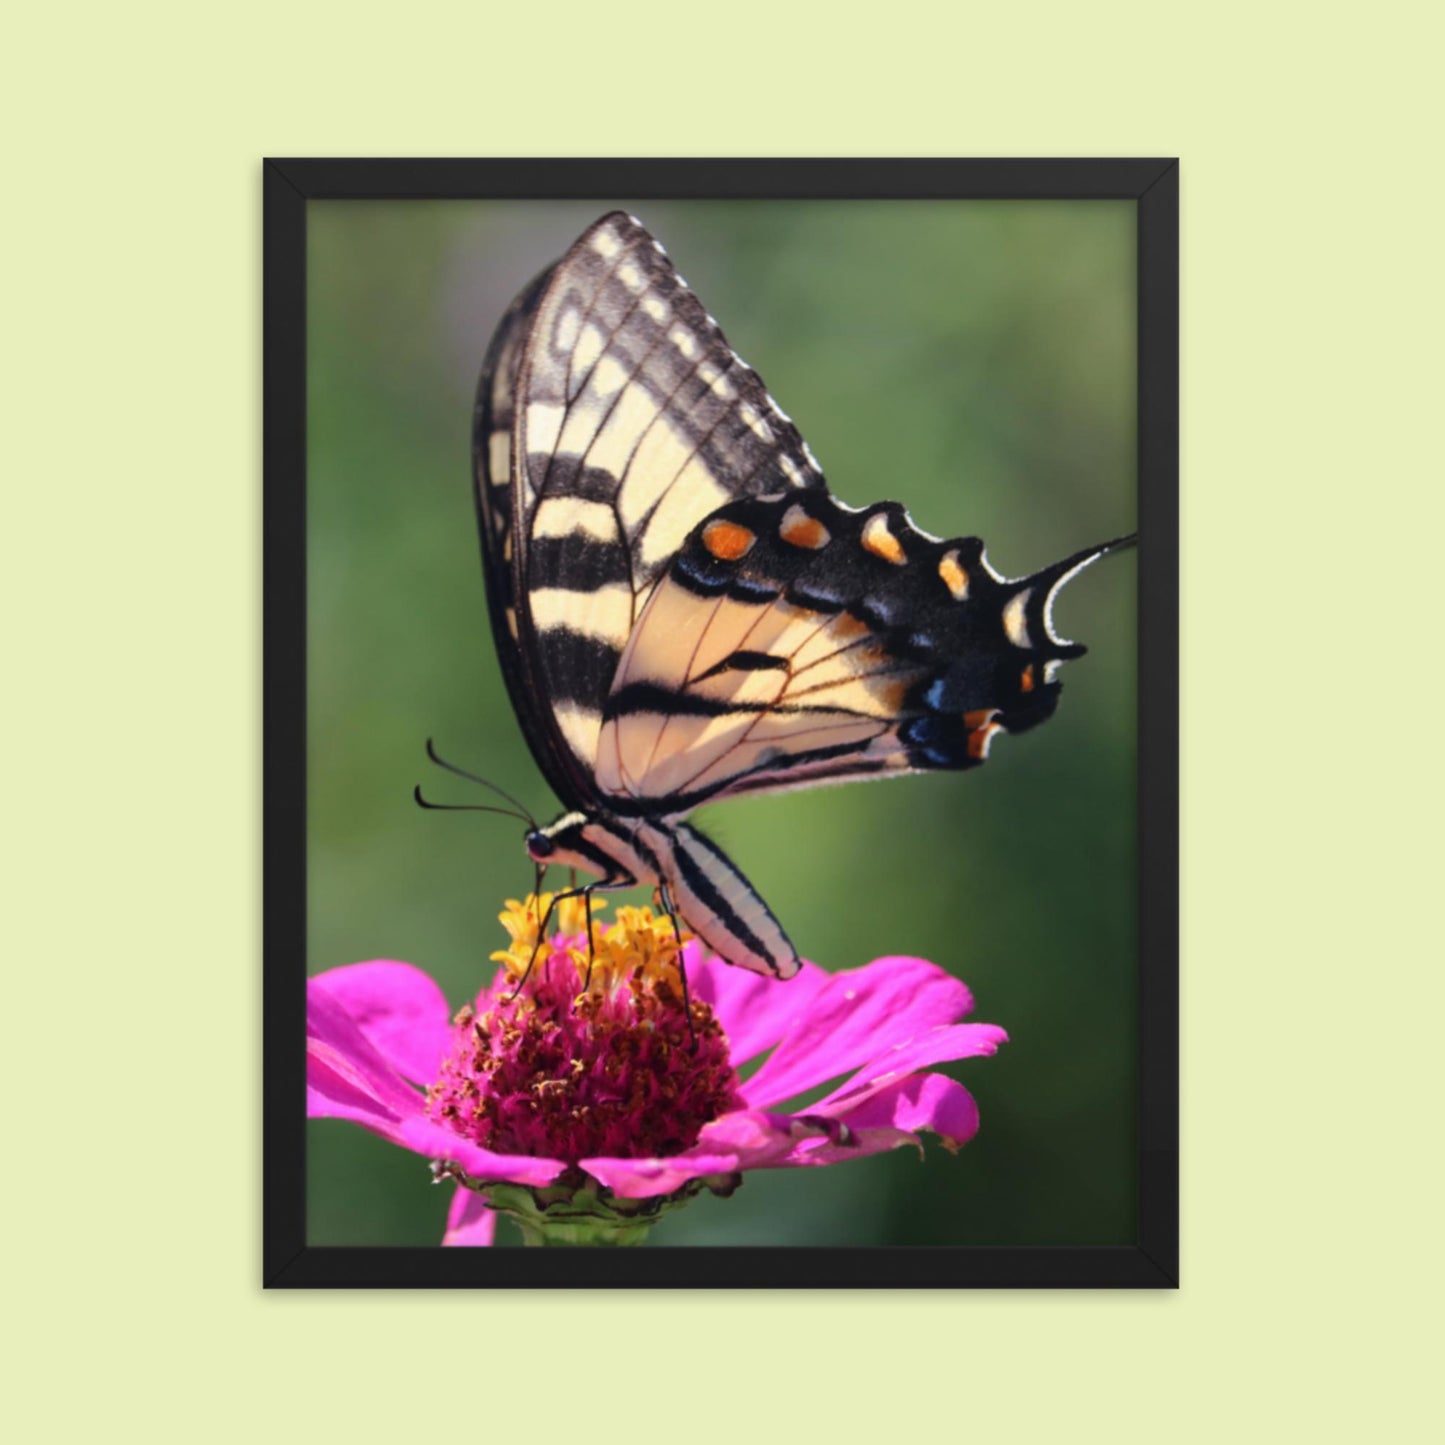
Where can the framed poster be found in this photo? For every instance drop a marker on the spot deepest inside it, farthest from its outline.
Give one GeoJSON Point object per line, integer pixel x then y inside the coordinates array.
{"type": "Point", "coordinates": [942, 1049]}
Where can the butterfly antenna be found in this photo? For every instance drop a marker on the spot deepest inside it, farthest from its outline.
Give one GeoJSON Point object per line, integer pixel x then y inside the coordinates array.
{"type": "Point", "coordinates": [441, 762]}
{"type": "Point", "coordinates": [463, 807]}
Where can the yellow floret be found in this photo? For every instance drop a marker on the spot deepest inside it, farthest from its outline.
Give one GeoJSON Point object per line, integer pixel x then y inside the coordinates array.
{"type": "Point", "coordinates": [638, 944]}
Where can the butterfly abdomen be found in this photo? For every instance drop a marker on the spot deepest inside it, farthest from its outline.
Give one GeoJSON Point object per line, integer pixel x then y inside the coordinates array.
{"type": "Point", "coordinates": [719, 903]}
{"type": "Point", "coordinates": [723, 908]}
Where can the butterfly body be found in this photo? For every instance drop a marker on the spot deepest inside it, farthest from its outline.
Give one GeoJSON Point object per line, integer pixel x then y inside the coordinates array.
{"type": "Point", "coordinates": [685, 613]}
{"type": "Point", "coordinates": [694, 874]}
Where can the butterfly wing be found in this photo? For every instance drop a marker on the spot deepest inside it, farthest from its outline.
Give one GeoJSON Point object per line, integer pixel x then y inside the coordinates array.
{"type": "Point", "coordinates": [795, 641]}
{"type": "Point", "coordinates": [685, 613]}
{"type": "Point", "coordinates": [492, 425]}
{"type": "Point", "coordinates": [612, 418]}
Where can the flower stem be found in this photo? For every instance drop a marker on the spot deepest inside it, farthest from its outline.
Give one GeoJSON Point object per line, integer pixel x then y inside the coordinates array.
{"type": "Point", "coordinates": [553, 1232]}
{"type": "Point", "coordinates": [574, 1210]}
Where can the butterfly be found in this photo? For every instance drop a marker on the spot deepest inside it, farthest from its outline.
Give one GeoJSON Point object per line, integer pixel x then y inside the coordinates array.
{"type": "Point", "coordinates": [684, 612]}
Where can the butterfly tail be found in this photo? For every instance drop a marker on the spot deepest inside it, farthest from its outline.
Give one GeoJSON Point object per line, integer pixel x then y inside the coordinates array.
{"type": "Point", "coordinates": [1003, 678]}
{"type": "Point", "coordinates": [1028, 615]}
{"type": "Point", "coordinates": [1037, 594]}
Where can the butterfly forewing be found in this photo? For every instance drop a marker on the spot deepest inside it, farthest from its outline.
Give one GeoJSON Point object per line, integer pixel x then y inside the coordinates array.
{"type": "Point", "coordinates": [628, 420]}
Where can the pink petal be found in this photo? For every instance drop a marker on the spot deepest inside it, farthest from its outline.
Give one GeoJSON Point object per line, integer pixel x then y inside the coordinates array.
{"type": "Point", "coordinates": [854, 1019]}
{"type": "Point", "coordinates": [399, 1008]}
{"type": "Point", "coordinates": [743, 1140]}
{"type": "Point", "coordinates": [345, 1076]}
{"type": "Point", "coordinates": [755, 1012]}
{"type": "Point", "coordinates": [925, 1101]}
{"type": "Point", "coordinates": [435, 1142]}
{"type": "Point", "coordinates": [937, 1046]}
{"type": "Point", "coordinates": [892, 1117]}
{"type": "Point", "coordinates": [332, 1095]}
{"type": "Point", "coordinates": [469, 1221]}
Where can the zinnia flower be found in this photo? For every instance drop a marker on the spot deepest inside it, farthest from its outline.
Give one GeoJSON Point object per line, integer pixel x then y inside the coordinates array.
{"type": "Point", "coordinates": [580, 1095]}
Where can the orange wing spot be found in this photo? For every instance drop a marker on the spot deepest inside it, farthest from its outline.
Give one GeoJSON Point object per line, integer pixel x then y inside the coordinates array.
{"type": "Point", "coordinates": [954, 576]}
{"type": "Point", "coordinates": [801, 530]}
{"type": "Point", "coordinates": [979, 717]}
{"type": "Point", "coordinates": [1027, 680]}
{"type": "Point", "coordinates": [980, 738]}
{"type": "Point", "coordinates": [878, 540]}
{"type": "Point", "coordinates": [727, 541]}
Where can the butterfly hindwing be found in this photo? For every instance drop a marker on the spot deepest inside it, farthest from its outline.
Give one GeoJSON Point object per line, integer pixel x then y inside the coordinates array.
{"type": "Point", "coordinates": [795, 641]}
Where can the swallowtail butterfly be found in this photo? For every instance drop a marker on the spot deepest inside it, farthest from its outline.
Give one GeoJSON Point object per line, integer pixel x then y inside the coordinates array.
{"type": "Point", "coordinates": [684, 612]}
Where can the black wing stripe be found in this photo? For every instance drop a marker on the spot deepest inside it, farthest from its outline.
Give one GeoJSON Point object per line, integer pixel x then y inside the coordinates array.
{"type": "Point", "coordinates": [571, 477]}
{"type": "Point", "coordinates": [580, 563]}
{"type": "Point", "coordinates": [649, 697]}
{"type": "Point", "coordinates": [744, 661]}
{"type": "Point", "coordinates": [576, 660]}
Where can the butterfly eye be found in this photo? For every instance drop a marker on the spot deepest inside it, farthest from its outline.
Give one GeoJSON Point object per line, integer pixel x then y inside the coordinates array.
{"type": "Point", "coordinates": [539, 846]}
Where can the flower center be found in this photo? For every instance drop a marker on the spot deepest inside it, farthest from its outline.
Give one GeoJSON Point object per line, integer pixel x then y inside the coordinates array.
{"type": "Point", "coordinates": [571, 1067]}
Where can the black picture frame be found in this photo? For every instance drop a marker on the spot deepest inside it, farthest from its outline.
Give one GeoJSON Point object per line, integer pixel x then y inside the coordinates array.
{"type": "Point", "coordinates": [1151, 1261]}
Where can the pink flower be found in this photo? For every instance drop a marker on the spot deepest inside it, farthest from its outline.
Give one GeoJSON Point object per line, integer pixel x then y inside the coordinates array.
{"type": "Point", "coordinates": [590, 1090]}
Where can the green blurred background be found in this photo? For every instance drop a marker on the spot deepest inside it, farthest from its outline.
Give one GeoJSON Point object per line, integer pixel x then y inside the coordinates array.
{"type": "Point", "coordinates": [973, 360]}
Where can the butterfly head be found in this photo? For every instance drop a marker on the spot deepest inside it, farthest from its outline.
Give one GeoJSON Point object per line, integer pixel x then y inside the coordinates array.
{"type": "Point", "coordinates": [558, 842]}
{"type": "Point", "coordinates": [575, 840]}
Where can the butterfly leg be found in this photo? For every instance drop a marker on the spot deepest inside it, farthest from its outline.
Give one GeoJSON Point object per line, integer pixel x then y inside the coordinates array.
{"type": "Point", "coordinates": [537, 946]}
{"type": "Point", "coordinates": [618, 880]}
{"type": "Point", "coordinates": [542, 931]}
{"type": "Point", "coordinates": [665, 898]}
{"type": "Point", "coordinates": [591, 947]}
